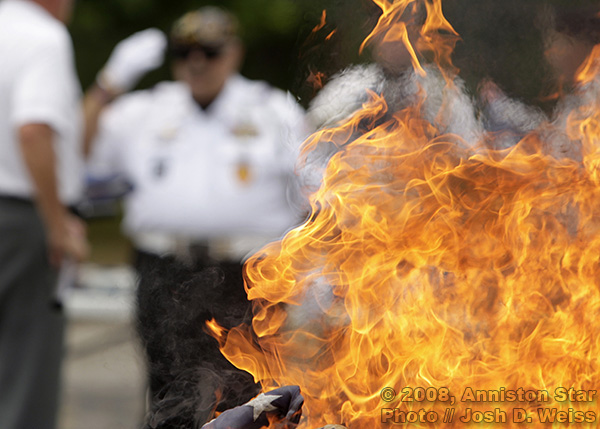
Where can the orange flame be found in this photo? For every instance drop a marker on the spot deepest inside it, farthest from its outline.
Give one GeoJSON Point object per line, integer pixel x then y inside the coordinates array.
{"type": "Point", "coordinates": [391, 28]}
{"type": "Point", "coordinates": [316, 79]}
{"type": "Point", "coordinates": [435, 34]}
{"type": "Point", "coordinates": [439, 271]}
{"type": "Point", "coordinates": [322, 23]}
{"type": "Point", "coordinates": [584, 123]}
{"type": "Point", "coordinates": [590, 67]}
{"type": "Point", "coordinates": [439, 37]}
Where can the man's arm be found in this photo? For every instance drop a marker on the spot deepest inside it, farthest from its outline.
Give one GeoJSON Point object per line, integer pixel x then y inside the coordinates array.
{"type": "Point", "coordinates": [94, 102]}
{"type": "Point", "coordinates": [131, 59]}
{"type": "Point", "coordinates": [65, 233]}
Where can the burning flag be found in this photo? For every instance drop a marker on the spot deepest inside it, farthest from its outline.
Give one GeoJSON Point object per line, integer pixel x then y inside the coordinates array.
{"type": "Point", "coordinates": [437, 281]}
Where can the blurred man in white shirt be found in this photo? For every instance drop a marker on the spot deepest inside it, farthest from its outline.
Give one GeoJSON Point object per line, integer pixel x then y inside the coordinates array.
{"type": "Point", "coordinates": [40, 176]}
{"type": "Point", "coordinates": [210, 158]}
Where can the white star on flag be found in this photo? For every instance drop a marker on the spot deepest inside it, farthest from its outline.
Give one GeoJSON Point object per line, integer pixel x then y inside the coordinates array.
{"type": "Point", "coordinates": [263, 403]}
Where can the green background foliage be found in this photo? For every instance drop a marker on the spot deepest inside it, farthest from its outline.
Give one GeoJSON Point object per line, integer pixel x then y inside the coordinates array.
{"type": "Point", "coordinates": [500, 38]}
{"type": "Point", "coordinates": [271, 32]}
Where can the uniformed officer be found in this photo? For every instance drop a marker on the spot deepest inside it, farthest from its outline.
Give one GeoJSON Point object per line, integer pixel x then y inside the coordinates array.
{"type": "Point", "coordinates": [210, 157]}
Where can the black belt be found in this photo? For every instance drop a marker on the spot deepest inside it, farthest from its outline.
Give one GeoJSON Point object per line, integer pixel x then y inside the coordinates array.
{"type": "Point", "coordinates": [30, 202]}
{"type": "Point", "coordinates": [197, 253]}
{"type": "Point", "coordinates": [15, 199]}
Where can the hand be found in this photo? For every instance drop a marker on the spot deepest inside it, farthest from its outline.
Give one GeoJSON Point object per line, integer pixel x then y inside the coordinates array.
{"type": "Point", "coordinates": [283, 405]}
{"type": "Point", "coordinates": [67, 239]}
{"type": "Point", "coordinates": [289, 404]}
{"type": "Point", "coordinates": [131, 59]}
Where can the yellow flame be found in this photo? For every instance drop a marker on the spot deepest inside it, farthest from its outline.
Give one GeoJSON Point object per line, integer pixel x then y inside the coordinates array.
{"type": "Point", "coordinates": [590, 67]}
{"type": "Point", "coordinates": [439, 37]}
{"type": "Point", "coordinates": [392, 29]}
{"type": "Point", "coordinates": [435, 34]}
{"type": "Point", "coordinates": [428, 265]}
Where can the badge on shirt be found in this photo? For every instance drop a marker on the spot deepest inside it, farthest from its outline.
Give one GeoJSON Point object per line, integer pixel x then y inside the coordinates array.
{"type": "Point", "coordinates": [243, 171]}
{"type": "Point", "coordinates": [244, 130]}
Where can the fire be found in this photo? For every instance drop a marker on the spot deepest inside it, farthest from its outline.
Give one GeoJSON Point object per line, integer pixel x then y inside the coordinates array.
{"type": "Point", "coordinates": [392, 29]}
{"type": "Point", "coordinates": [316, 79]}
{"type": "Point", "coordinates": [322, 23]}
{"type": "Point", "coordinates": [434, 275]}
{"type": "Point", "coordinates": [590, 68]}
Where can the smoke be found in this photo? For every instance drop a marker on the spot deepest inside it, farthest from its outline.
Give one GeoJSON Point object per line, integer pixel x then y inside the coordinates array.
{"type": "Point", "coordinates": [344, 95]}
{"type": "Point", "coordinates": [506, 120]}
{"type": "Point", "coordinates": [189, 378]}
{"type": "Point", "coordinates": [448, 107]}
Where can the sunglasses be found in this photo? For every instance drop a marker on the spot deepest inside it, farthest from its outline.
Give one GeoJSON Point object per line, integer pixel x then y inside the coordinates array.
{"type": "Point", "coordinates": [183, 51]}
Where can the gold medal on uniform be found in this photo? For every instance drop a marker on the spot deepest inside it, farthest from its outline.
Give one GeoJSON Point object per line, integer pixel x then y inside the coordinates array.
{"type": "Point", "coordinates": [244, 132]}
{"type": "Point", "coordinates": [243, 171]}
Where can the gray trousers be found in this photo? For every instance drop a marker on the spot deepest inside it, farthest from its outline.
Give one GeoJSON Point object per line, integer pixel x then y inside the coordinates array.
{"type": "Point", "coordinates": [31, 329]}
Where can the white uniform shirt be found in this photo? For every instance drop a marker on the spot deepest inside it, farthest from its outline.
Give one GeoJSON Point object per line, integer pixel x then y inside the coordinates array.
{"type": "Point", "coordinates": [38, 84]}
{"type": "Point", "coordinates": [214, 174]}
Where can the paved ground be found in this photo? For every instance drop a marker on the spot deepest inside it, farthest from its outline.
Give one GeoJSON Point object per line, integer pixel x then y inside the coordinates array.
{"type": "Point", "coordinates": [103, 377]}
{"type": "Point", "coordinates": [103, 372]}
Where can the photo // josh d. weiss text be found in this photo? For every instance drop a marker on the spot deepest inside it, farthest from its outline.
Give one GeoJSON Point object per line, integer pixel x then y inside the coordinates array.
{"type": "Point", "coordinates": [563, 405]}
